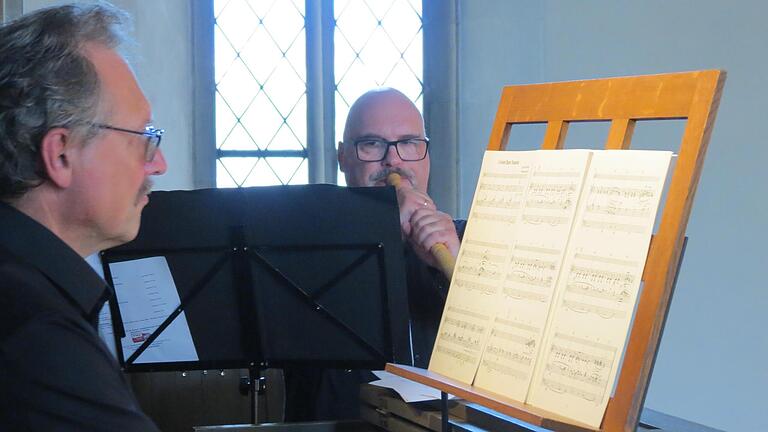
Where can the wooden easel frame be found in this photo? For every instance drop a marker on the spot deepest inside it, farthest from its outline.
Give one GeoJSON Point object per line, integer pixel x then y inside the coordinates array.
{"type": "Point", "coordinates": [692, 96]}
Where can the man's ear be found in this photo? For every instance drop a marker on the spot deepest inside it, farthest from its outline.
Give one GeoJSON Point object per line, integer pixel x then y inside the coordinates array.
{"type": "Point", "coordinates": [340, 156]}
{"type": "Point", "coordinates": [56, 158]}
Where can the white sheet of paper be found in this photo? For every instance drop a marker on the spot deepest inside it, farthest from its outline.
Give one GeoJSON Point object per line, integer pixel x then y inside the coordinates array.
{"type": "Point", "coordinates": [481, 264]}
{"type": "Point", "coordinates": [531, 271]}
{"type": "Point", "coordinates": [147, 295]}
{"type": "Point", "coordinates": [410, 391]}
{"type": "Point", "coordinates": [599, 284]}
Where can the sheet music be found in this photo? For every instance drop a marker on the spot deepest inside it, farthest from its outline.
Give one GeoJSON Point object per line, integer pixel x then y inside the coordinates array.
{"type": "Point", "coordinates": [147, 296]}
{"type": "Point", "coordinates": [481, 264]}
{"type": "Point", "coordinates": [599, 284]}
{"type": "Point", "coordinates": [531, 272]}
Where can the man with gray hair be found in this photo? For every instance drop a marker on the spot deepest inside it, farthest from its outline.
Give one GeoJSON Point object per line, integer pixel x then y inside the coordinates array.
{"type": "Point", "coordinates": [76, 153]}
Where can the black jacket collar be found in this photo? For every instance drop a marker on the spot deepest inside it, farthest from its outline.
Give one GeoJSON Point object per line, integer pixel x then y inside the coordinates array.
{"type": "Point", "coordinates": [34, 244]}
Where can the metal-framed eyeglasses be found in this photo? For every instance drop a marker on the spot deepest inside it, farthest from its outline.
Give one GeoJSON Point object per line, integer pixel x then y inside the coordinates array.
{"type": "Point", "coordinates": [375, 149]}
{"type": "Point", "coordinates": [153, 134]}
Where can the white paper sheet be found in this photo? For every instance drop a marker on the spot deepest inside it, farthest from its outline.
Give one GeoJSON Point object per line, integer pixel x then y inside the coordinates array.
{"type": "Point", "coordinates": [410, 391]}
{"type": "Point", "coordinates": [599, 283]}
{"type": "Point", "coordinates": [531, 271]}
{"type": "Point", "coordinates": [481, 264]}
{"type": "Point", "coordinates": [147, 295]}
{"type": "Point", "coordinates": [548, 274]}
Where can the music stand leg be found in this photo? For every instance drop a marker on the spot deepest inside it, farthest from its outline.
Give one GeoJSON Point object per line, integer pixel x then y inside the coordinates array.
{"type": "Point", "coordinates": [444, 411]}
{"type": "Point", "coordinates": [256, 387]}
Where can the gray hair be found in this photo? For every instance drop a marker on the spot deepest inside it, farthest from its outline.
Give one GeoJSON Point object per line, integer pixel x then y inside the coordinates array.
{"type": "Point", "coordinates": [47, 82]}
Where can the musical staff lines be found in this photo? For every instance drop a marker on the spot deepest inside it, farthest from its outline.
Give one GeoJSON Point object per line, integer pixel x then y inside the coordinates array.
{"type": "Point", "coordinates": [466, 312]}
{"type": "Point", "coordinates": [544, 220]}
{"type": "Point", "coordinates": [618, 210]}
{"type": "Point", "coordinates": [480, 243]}
{"type": "Point", "coordinates": [493, 217]}
{"type": "Point", "coordinates": [482, 255]}
{"type": "Point", "coordinates": [549, 202]}
{"type": "Point", "coordinates": [627, 177]}
{"type": "Point", "coordinates": [602, 284]}
{"type": "Point", "coordinates": [611, 226]}
{"type": "Point", "coordinates": [499, 175]}
{"type": "Point", "coordinates": [548, 274]}
{"type": "Point", "coordinates": [602, 312]}
{"type": "Point", "coordinates": [482, 288]}
{"type": "Point", "coordinates": [557, 174]}
{"type": "Point", "coordinates": [491, 367]}
{"type": "Point", "coordinates": [578, 367]}
{"type": "Point", "coordinates": [497, 187]}
{"type": "Point", "coordinates": [606, 260]}
{"type": "Point", "coordinates": [642, 194]}
{"type": "Point", "coordinates": [499, 202]}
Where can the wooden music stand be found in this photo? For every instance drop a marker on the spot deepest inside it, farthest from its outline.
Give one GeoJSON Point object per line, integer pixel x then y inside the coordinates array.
{"type": "Point", "coordinates": [693, 96]}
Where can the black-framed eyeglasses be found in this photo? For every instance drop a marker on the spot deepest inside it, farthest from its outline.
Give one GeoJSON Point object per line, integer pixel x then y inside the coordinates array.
{"type": "Point", "coordinates": [375, 149]}
{"type": "Point", "coordinates": [153, 134]}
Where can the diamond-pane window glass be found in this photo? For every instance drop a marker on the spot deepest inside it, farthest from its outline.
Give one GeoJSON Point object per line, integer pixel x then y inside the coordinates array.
{"type": "Point", "coordinates": [261, 78]}
{"type": "Point", "coordinates": [260, 73]}
{"type": "Point", "coordinates": [376, 44]}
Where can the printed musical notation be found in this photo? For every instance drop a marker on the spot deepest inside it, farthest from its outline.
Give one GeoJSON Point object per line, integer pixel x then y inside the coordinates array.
{"type": "Point", "coordinates": [630, 193]}
{"type": "Point", "coordinates": [555, 240]}
{"type": "Point", "coordinates": [461, 357]}
{"type": "Point", "coordinates": [509, 358]}
{"type": "Point", "coordinates": [460, 341]}
{"type": "Point", "coordinates": [532, 265]}
{"type": "Point", "coordinates": [492, 217]}
{"type": "Point", "coordinates": [544, 220]}
{"type": "Point", "coordinates": [492, 368]}
{"type": "Point", "coordinates": [552, 188]}
{"type": "Point", "coordinates": [618, 210]}
{"type": "Point", "coordinates": [506, 175]}
{"type": "Point", "coordinates": [464, 325]}
{"type": "Point", "coordinates": [499, 202]}
{"type": "Point", "coordinates": [578, 367]}
{"type": "Point", "coordinates": [602, 312]}
{"type": "Point", "coordinates": [532, 271]}
{"type": "Point", "coordinates": [549, 202]}
{"type": "Point", "coordinates": [558, 387]}
{"type": "Point", "coordinates": [603, 284]}
{"type": "Point", "coordinates": [482, 255]}
{"type": "Point", "coordinates": [480, 270]}
{"type": "Point", "coordinates": [526, 343]}
{"type": "Point", "coordinates": [496, 187]}
{"type": "Point", "coordinates": [599, 283]}
{"type": "Point", "coordinates": [613, 226]}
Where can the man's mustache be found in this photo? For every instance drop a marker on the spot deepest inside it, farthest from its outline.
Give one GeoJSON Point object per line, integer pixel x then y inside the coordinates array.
{"type": "Point", "coordinates": [383, 174]}
{"type": "Point", "coordinates": [146, 188]}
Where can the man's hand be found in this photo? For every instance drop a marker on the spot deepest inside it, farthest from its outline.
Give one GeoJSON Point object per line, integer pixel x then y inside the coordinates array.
{"type": "Point", "coordinates": [423, 225]}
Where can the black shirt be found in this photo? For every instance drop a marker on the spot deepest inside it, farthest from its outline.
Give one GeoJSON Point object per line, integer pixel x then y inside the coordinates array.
{"type": "Point", "coordinates": [326, 394]}
{"type": "Point", "coordinates": [55, 372]}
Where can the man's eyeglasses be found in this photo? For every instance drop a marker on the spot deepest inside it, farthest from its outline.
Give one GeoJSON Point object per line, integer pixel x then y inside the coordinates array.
{"type": "Point", "coordinates": [153, 135]}
{"type": "Point", "coordinates": [375, 150]}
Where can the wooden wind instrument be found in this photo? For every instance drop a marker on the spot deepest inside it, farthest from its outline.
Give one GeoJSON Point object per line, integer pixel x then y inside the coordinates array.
{"type": "Point", "coordinates": [445, 260]}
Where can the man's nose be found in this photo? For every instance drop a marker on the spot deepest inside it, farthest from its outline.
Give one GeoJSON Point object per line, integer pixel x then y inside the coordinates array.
{"type": "Point", "coordinates": [158, 165]}
{"type": "Point", "coordinates": [392, 158]}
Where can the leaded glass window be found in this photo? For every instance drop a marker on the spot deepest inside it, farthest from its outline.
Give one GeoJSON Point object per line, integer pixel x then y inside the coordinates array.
{"type": "Point", "coordinates": [261, 78]}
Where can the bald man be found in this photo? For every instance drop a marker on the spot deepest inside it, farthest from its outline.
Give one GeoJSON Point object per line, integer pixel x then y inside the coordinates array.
{"type": "Point", "coordinates": [384, 134]}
